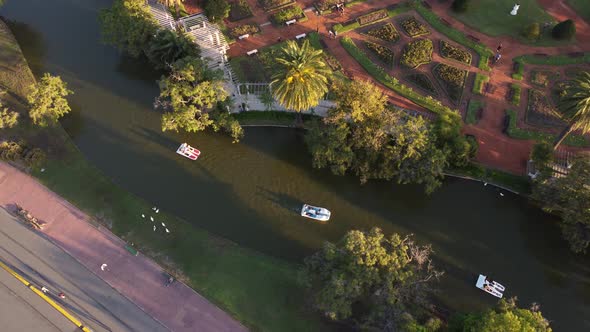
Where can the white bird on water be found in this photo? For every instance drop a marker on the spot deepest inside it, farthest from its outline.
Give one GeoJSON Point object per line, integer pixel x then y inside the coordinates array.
{"type": "Point", "coordinates": [154, 228]}
{"type": "Point", "coordinates": [143, 215]}
{"type": "Point", "coordinates": [502, 194]}
{"type": "Point", "coordinates": [154, 208]}
{"type": "Point", "coordinates": [167, 231]}
{"type": "Point", "coordinates": [485, 184]}
{"type": "Point", "coordinates": [163, 224]}
{"type": "Point", "coordinates": [157, 210]}
{"type": "Point", "coordinates": [152, 218]}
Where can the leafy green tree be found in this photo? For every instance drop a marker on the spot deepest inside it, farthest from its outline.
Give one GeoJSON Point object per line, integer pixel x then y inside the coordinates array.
{"type": "Point", "coordinates": [302, 75]}
{"type": "Point", "coordinates": [8, 118]}
{"type": "Point", "coordinates": [217, 10]}
{"type": "Point", "coordinates": [564, 30]}
{"type": "Point", "coordinates": [447, 132]}
{"type": "Point", "coordinates": [168, 46]}
{"type": "Point", "coordinates": [192, 98]}
{"type": "Point", "coordinates": [173, 3]}
{"type": "Point", "coordinates": [532, 32]}
{"type": "Point", "coordinates": [506, 316]}
{"type": "Point", "coordinates": [380, 282]}
{"type": "Point", "coordinates": [575, 107]}
{"type": "Point", "coordinates": [569, 196]}
{"type": "Point", "coordinates": [267, 99]}
{"type": "Point", "coordinates": [542, 156]}
{"type": "Point", "coordinates": [47, 100]}
{"type": "Point", "coordinates": [128, 25]}
{"type": "Point", "coordinates": [460, 6]}
{"type": "Point", "coordinates": [363, 136]}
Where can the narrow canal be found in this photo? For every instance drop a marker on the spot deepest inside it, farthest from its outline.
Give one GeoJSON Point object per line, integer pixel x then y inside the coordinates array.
{"type": "Point", "coordinates": [250, 192]}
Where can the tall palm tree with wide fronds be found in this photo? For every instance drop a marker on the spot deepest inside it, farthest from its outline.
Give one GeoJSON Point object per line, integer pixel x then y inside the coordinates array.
{"type": "Point", "coordinates": [168, 46]}
{"type": "Point", "coordinates": [301, 79]}
{"type": "Point", "coordinates": [575, 107]}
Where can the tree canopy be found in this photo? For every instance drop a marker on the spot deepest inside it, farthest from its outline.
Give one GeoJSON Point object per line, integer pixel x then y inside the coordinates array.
{"type": "Point", "coordinates": [362, 135]}
{"type": "Point", "coordinates": [128, 25]}
{"type": "Point", "coordinates": [506, 316]}
{"type": "Point", "coordinates": [217, 10]}
{"type": "Point", "coordinates": [377, 281]}
{"type": "Point", "coordinates": [575, 107]}
{"type": "Point", "coordinates": [569, 197]}
{"type": "Point", "coordinates": [47, 100]}
{"type": "Point", "coordinates": [191, 96]}
{"type": "Point", "coordinates": [168, 46]}
{"type": "Point", "coordinates": [301, 79]}
{"type": "Point", "coordinates": [8, 118]}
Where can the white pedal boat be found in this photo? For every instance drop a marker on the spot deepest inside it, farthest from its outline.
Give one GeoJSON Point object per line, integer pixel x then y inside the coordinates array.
{"type": "Point", "coordinates": [489, 286]}
{"type": "Point", "coordinates": [188, 151]}
{"type": "Point", "coordinates": [314, 212]}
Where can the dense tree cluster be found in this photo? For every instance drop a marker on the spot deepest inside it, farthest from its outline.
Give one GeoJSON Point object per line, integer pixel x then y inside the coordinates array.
{"type": "Point", "coordinates": [569, 197]}
{"type": "Point", "coordinates": [363, 136]}
{"type": "Point", "coordinates": [217, 10]}
{"type": "Point", "coordinates": [47, 100]}
{"type": "Point", "coordinates": [8, 118]}
{"type": "Point", "coordinates": [564, 30]}
{"type": "Point", "coordinates": [374, 282]}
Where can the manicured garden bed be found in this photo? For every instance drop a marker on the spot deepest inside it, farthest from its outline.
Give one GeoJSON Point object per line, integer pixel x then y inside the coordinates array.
{"type": "Point", "coordinates": [417, 53]}
{"type": "Point", "coordinates": [274, 4]}
{"type": "Point", "coordinates": [515, 93]}
{"type": "Point", "coordinates": [244, 29]}
{"type": "Point", "coordinates": [414, 28]}
{"type": "Point", "coordinates": [326, 6]}
{"type": "Point", "coordinates": [372, 17]}
{"type": "Point", "coordinates": [239, 10]}
{"type": "Point", "coordinates": [540, 112]}
{"type": "Point", "coordinates": [513, 131]}
{"type": "Point", "coordinates": [572, 72]}
{"type": "Point", "coordinates": [474, 110]}
{"type": "Point", "coordinates": [386, 32]}
{"type": "Point", "coordinates": [349, 26]}
{"type": "Point", "coordinates": [452, 79]}
{"type": "Point", "coordinates": [559, 91]}
{"type": "Point", "coordinates": [293, 12]}
{"type": "Point", "coordinates": [543, 78]}
{"type": "Point", "coordinates": [423, 82]}
{"type": "Point", "coordinates": [553, 60]}
{"type": "Point", "coordinates": [383, 53]}
{"type": "Point", "coordinates": [478, 84]}
{"type": "Point", "coordinates": [450, 51]}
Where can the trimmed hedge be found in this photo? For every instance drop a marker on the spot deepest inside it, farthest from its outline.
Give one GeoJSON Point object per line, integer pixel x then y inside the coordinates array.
{"type": "Point", "coordinates": [417, 53]}
{"type": "Point", "coordinates": [339, 28]}
{"type": "Point", "coordinates": [386, 32]}
{"type": "Point", "coordinates": [472, 110]}
{"type": "Point", "coordinates": [513, 131]}
{"type": "Point", "coordinates": [381, 76]}
{"type": "Point", "coordinates": [516, 92]}
{"type": "Point", "coordinates": [483, 51]}
{"type": "Point", "coordinates": [553, 60]}
{"type": "Point", "coordinates": [423, 82]}
{"type": "Point", "coordinates": [383, 53]}
{"type": "Point", "coordinates": [450, 51]}
{"type": "Point", "coordinates": [519, 70]}
{"type": "Point", "coordinates": [372, 17]}
{"type": "Point", "coordinates": [479, 83]}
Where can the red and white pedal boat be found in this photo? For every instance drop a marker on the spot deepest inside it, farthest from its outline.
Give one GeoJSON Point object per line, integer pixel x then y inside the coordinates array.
{"type": "Point", "coordinates": [188, 151]}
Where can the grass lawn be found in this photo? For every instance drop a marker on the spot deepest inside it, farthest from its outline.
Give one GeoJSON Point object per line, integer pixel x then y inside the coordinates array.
{"type": "Point", "coordinates": [582, 7]}
{"type": "Point", "coordinates": [493, 18]}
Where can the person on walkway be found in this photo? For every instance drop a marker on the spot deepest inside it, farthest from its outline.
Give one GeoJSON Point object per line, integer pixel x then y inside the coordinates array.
{"type": "Point", "coordinates": [499, 48]}
{"type": "Point", "coordinates": [331, 34]}
{"type": "Point", "coordinates": [62, 295]}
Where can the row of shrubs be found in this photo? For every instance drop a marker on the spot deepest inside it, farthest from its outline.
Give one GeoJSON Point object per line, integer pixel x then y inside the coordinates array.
{"type": "Point", "coordinates": [383, 53]}
{"type": "Point", "coordinates": [417, 53]}
{"type": "Point", "coordinates": [293, 12]}
{"type": "Point", "coordinates": [20, 152]}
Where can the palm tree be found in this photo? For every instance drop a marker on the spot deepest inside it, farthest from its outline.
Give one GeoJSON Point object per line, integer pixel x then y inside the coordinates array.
{"type": "Point", "coordinates": [168, 46]}
{"type": "Point", "coordinates": [301, 79]}
{"type": "Point", "coordinates": [575, 107]}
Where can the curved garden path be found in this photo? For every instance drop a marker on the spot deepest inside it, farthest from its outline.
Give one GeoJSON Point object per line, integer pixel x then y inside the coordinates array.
{"type": "Point", "coordinates": [496, 150]}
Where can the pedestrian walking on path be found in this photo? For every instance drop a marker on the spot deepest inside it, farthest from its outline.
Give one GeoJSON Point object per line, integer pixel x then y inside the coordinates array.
{"type": "Point", "coordinates": [331, 34]}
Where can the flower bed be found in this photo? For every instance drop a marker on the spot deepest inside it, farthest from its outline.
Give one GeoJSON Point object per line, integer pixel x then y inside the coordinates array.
{"type": "Point", "coordinates": [479, 83]}
{"type": "Point", "coordinates": [382, 52]}
{"type": "Point", "coordinates": [515, 92]}
{"type": "Point", "coordinates": [293, 12]}
{"type": "Point", "coordinates": [385, 32]}
{"type": "Point", "coordinates": [452, 52]}
{"type": "Point", "coordinates": [326, 5]}
{"type": "Point", "coordinates": [372, 17]}
{"type": "Point", "coordinates": [540, 112]}
{"type": "Point", "coordinates": [244, 29]}
{"type": "Point", "coordinates": [453, 80]}
{"type": "Point", "coordinates": [543, 78]}
{"type": "Point", "coordinates": [417, 53]}
{"type": "Point", "coordinates": [559, 91]}
{"type": "Point", "coordinates": [423, 82]}
{"type": "Point", "coordinates": [332, 62]}
{"type": "Point", "coordinates": [414, 28]}
{"type": "Point", "coordinates": [274, 4]}
{"type": "Point", "coordinates": [513, 131]}
{"type": "Point", "coordinates": [239, 10]}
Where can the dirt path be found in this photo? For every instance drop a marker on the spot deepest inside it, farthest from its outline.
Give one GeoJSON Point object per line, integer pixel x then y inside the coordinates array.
{"type": "Point", "coordinates": [138, 278]}
{"type": "Point", "coordinates": [496, 150]}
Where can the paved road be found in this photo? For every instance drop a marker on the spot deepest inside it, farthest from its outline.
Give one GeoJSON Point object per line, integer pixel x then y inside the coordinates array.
{"type": "Point", "coordinates": [88, 297]}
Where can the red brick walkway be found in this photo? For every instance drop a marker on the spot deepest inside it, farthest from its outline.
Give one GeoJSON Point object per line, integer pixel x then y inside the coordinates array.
{"type": "Point", "coordinates": [139, 279]}
{"type": "Point", "coordinates": [496, 149]}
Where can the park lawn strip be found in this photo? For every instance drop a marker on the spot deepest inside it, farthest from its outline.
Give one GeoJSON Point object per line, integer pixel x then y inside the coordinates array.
{"type": "Point", "coordinates": [381, 76]}
{"type": "Point", "coordinates": [431, 18]}
{"type": "Point", "coordinates": [249, 285]}
{"type": "Point", "coordinates": [474, 106]}
{"type": "Point", "coordinates": [513, 131]}
{"type": "Point", "coordinates": [479, 83]}
{"type": "Point", "coordinates": [400, 9]}
{"type": "Point", "coordinates": [582, 7]}
{"type": "Point", "coordinates": [553, 60]}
